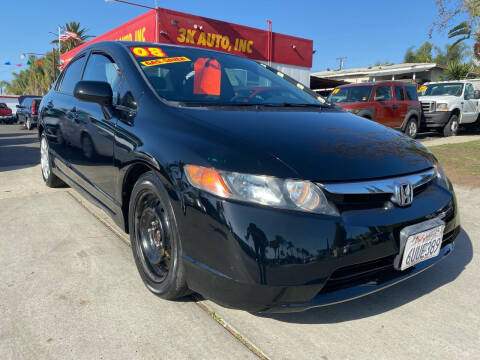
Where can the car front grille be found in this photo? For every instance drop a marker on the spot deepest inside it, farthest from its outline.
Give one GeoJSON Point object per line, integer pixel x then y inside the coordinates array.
{"type": "Point", "coordinates": [428, 106]}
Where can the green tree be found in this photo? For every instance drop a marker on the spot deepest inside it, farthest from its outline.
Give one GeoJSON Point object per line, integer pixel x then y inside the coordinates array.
{"type": "Point", "coordinates": [37, 78]}
{"type": "Point", "coordinates": [454, 52]}
{"type": "Point", "coordinates": [71, 43]}
{"type": "Point", "coordinates": [449, 11]}
{"type": "Point", "coordinates": [3, 85]}
{"type": "Point", "coordinates": [457, 71]}
{"type": "Point", "coordinates": [422, 55]}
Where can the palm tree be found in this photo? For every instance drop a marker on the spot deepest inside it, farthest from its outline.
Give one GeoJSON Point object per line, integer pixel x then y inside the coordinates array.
{"type": "Point", "coordinates": [71, 43]}
{"type": "Point", "coordinates": [457, 71]}
{"type": "Point", "coordinates": [3, 84]}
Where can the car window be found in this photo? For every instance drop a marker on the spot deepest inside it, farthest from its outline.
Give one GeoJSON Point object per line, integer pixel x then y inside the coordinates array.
{"type": "Point", "coordinates": [101, 67]}
{"type": "Point", "coordinates": [399, 93]}
{"type": "Point", "coordinates": [27, 102]}
{"type": "Point", "coordinates": [385, 91]}
{"type": "Point", "coordinates": [2, 106]}
{"type": "Point", "coordinates": [197, 76]}
{"type": "Point", "coordinates": [73, 73]}
{"type": "Point", "coordinates": [411, 91]}
{"type": "Point", "coordinates": [356, 93]}
{"type": "Point", "coordinates": [469, 92]}
{"type": "Point", "coordinates": [441, 89]}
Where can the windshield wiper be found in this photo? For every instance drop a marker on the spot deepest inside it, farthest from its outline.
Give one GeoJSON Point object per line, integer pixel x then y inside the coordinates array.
{"type": "Point", "coordinates": [295, 105]}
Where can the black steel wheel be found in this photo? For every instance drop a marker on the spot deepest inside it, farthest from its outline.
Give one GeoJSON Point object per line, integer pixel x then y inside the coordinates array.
{"type": "Point", "coordinates": [155, 240]}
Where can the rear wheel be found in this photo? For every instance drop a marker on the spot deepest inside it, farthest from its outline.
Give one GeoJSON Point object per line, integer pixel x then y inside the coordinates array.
{"type": "Point", "coordinates": [412, 128]}
{"type": "Point", "coordinates": [451, 129]}
{"type": "Point", "coordinates": [155, 240]}
{"type": "Point", "coordinates": [51, 180]}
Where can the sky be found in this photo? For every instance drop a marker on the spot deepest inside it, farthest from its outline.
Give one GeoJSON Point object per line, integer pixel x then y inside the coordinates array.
{"type": "Point", "coordinates": [362, 31]}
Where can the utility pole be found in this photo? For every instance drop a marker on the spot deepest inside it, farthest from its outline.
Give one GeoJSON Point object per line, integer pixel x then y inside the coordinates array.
{"type": "Point", "coordinates": [340, 59]}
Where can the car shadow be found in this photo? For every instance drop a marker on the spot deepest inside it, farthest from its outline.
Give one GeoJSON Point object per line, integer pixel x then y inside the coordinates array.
{"type": "Point", "coordinates": [398, 295]}
{"type": "Point", "coordinates": [18, 157]}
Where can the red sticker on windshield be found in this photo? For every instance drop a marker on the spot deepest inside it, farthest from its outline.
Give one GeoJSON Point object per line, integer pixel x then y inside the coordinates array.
{"type": "Point", "coordinates": [140, 51]}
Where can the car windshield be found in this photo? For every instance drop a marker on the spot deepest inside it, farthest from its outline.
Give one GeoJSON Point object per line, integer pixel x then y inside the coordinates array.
{"type": "Point", "coordinates": [351, 94]}
{"type": "Point", "coordinates": [454, 89]}
{"type": "Point", "coordinates": [197, 77]}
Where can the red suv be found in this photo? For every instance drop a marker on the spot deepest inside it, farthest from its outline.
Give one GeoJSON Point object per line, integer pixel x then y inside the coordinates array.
{"type": "Point", "coordinates": [391, 103]}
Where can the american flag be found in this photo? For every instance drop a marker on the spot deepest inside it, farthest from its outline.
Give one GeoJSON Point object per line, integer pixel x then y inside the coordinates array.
{"type": "Point", "coordinates": [68, 35]}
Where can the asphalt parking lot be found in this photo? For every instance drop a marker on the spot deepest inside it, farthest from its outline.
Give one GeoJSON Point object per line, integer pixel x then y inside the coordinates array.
{"type": "Point", "coordinates": [69, 289]}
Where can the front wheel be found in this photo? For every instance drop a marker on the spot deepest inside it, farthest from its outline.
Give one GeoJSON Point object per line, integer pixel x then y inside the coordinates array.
{"type": "Point", "coordinates": [155, 239]}
{"type": "Point", "coordinates": [412, 128]}
{"type": "Point", "coordinates": [451, 129]}
{"type": "Point", "coordinates": [51, 180]}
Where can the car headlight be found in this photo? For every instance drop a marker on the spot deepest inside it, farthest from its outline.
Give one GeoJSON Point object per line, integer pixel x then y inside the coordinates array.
{"type": "Point", "coordinates": [442, 179]}
{"type": "Point", "coordinates": [259, 189]}
{"type": "Point", "coordinates": [442, 107]}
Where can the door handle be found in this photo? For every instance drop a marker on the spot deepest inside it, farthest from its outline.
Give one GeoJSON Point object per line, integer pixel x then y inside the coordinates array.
{"type": "Point", "coordinates": [394, 106]}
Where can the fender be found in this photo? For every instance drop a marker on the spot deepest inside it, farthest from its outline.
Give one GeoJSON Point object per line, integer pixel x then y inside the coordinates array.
{"type": "Point", "coordinates": [411, 112]}
{"type": "Point", "coordinates": [368, 113]}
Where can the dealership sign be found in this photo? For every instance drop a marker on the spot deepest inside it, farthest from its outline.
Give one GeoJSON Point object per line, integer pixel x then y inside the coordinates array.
{"type": "Point", "coordinates": [173, 27]}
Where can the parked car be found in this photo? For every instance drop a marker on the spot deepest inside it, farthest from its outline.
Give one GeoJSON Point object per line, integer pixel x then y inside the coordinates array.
{"type": "Point", "coordinates": [391, 103]}
{"type": "Point", "coordinates": [448, 104]}
{"type": "Point", "coordinates": [5, 113]}
{"type": "Point", "coordinates": [11, 101]}
{"type": "Point", "coordinates": [27, 112]}
{"type": "Point", "coordinates": [276, 205]}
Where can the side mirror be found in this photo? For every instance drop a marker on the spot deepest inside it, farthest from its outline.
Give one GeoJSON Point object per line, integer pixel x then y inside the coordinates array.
{"type": "Point", "coordinates": [380, 98]}
{"type": "Point", "coordinates": [476, 94]}
{"type": "Point", "coordinates": [94, 91]}
{"type": "Point", "coordinates": [18, 106]}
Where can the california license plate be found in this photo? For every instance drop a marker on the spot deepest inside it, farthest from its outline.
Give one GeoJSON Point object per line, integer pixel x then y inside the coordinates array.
{"type": "Point", "coordinates": [421, 242]}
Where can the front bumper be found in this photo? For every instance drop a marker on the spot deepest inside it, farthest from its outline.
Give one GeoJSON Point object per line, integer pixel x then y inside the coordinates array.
{"type": "Point", "coordinates": [264, 260]}
{"type": "Point", "coordinates": [436, 119]}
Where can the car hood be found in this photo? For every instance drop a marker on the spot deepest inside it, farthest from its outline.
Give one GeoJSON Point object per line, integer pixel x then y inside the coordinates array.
{"type": "Point", "coordinates": [441, 98]}
{"type": "Point", "coordinates": [324, 145]}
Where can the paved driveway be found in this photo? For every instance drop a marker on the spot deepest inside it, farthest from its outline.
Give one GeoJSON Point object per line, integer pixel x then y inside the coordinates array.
{"type": "Point", "coordinates": [69, 289]}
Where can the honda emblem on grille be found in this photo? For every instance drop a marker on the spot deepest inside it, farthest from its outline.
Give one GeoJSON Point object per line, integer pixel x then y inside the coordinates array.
{"type": "Point", "coordinates": [403, 194]}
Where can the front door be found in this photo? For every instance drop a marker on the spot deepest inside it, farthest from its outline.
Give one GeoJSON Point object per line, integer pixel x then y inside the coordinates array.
{"type": "Point", "coordinates": [95, 131]}
{"type": "Point", "coordinates": [383, 102]}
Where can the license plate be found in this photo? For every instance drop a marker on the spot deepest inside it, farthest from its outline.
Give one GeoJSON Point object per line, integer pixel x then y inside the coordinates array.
{"type": "Point", "coordinates": [422, 246]}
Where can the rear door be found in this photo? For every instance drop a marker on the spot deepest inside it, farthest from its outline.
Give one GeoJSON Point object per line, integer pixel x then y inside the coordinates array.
{"type": "Point", "coordinates": [470, 113]}
{"type": "Point", "coordinates": [400, 106]}
{"type": "Point", "coordinates": [383, 102]}
{"type": "Point", "coordinates": [60, 116]}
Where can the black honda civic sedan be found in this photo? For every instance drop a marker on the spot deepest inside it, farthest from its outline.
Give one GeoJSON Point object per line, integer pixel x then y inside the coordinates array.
{"type": "Point", "coordinates": [236, 182]}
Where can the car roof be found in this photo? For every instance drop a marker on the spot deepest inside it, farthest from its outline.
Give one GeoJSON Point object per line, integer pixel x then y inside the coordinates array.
{"type": "Point", "coordinates": [127, 44]}
{"type": "Point", "coordinates": [373, 83]}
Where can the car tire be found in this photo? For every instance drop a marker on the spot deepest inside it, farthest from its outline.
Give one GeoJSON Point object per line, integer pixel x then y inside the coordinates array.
{"type": "Point", "coordinates": [51, 180]}
{"type": "Point", "coordinates": [28, 124]}
{"type": "Point", "coordinates": [411, 129]}
{"type": "Point", "coordinates": [155, 239]}
{"type": "Point", "coordinates": [451, 128]}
